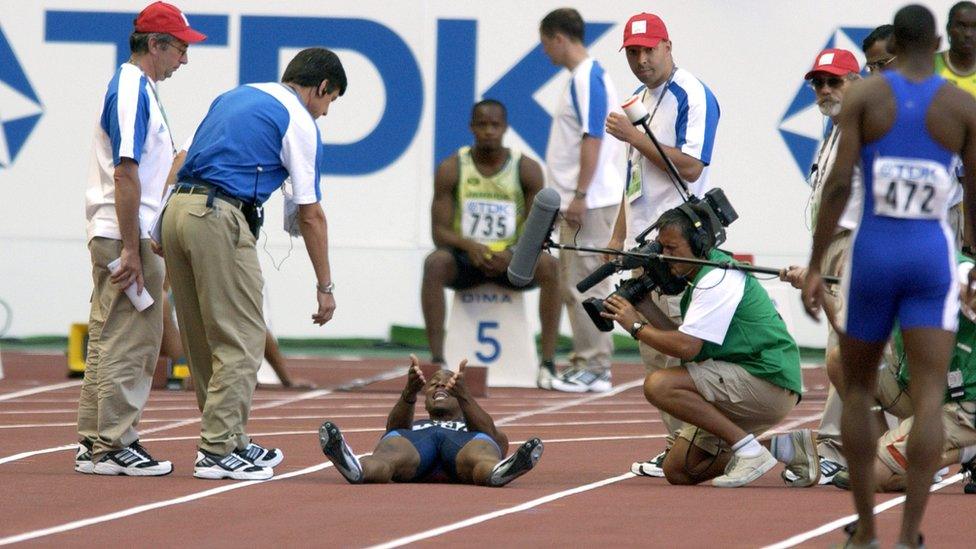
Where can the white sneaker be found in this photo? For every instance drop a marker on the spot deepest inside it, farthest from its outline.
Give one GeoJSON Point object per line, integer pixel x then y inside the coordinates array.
{"type": "Point", "coordinates": [583, 381]}
{"type": "Point", "coordinates": [261, 456]}
{"type": "Point", "coordinates": [132, 461]}
{"type": "Point", "coordinates": [83, 458]}
{"type": "Point", "coordinates": [545, 376]}
{"type": "Point", "coordinates": [231, 466]}
{"type": "Point", "coordinates": [743, 470]}
{"type": "Point", "coordinates": [653, 467]}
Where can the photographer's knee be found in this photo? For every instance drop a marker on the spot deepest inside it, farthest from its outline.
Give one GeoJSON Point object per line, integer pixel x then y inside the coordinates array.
{"type": "Point", "coordinates": [655, 386]}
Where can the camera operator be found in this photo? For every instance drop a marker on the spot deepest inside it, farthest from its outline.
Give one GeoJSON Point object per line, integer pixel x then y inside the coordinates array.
{"type": "Point", "coordinates": [741, 368]}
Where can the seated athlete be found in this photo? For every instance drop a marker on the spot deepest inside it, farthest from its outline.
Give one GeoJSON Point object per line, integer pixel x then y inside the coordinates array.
{"type": "Point", "coordinates": [481, 197]}
{"type": "Point", "coordinates": [457, 443]}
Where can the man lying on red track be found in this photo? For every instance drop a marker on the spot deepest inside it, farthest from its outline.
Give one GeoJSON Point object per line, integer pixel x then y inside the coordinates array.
{"type": "Point", "coordinates": [458, 443]}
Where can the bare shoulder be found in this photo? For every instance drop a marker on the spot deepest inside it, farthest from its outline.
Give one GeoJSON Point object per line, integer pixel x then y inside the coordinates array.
{"type": "Point", "coordinates": [530, 172]}
{"type": "Point", "coordinates": [447, 172]}
{"type": "Point", "coordinates": [959, 101]}
{"type": "Point", "coordinates": [871, 88]}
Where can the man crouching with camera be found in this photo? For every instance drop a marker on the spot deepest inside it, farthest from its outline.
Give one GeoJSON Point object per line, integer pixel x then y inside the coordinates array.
{"type": "Point", "coordinates": [740, 372]}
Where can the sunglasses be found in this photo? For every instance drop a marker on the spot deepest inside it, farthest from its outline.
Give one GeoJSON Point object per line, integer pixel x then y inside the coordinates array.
{"type": "Point", "coordinates": [819, 82]}
{"type": "Point", "coordinates": [879, 65]}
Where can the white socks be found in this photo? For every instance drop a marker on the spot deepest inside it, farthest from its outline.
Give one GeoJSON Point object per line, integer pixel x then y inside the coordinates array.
{"type": "Point", "coordinates": [967, 454]}
{"type": "Point", "coordinates": [747, 447]}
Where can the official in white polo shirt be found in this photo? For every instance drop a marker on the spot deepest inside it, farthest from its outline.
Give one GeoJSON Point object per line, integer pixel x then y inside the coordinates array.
{"type": "Point", "coordinates": [132, 153]}
{"type": "Point", "coordinates": [684, 117]}
{"type": "Point", "coordinates": [252, 139]}
{"type": "Point", "coordinates": [586, 168]}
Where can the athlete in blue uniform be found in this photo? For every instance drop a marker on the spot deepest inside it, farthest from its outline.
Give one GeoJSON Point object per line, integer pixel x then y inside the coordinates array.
{"type": "Point", "coordinates": [904, 126]}
{"type": "Point", "coordinates": [458, 443]}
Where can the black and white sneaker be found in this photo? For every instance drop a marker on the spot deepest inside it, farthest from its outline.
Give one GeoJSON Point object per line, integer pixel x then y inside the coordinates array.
{"type": "Point", "coordinates": [132, 461]}
{"type": "Point", "coordinates": [969, 469]}
{"type": "Point", "coordinates": [339, 453]}
{"type": "Point", "coordinates": [517, 464]}
{"type": "Point", "coordinates": [583, 381]}
{"type": "Point", "coordinates": [83, 457]}
{"type": "Point", "coordinates": [653, 467]}
{"type": "Point", "coordinates": [261, 456]}
{"type": "Point", "coordinates": [214, 467]}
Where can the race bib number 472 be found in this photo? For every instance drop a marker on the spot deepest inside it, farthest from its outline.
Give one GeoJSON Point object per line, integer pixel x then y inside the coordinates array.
{"type": "Point", "coordinates": [910, 188]}
{"type": "Point", "coordinates": [488, 220]}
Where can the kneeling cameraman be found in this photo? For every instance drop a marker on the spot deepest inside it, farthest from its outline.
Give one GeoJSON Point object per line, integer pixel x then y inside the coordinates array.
{"type": "Point", "coordinates": [741, 368]}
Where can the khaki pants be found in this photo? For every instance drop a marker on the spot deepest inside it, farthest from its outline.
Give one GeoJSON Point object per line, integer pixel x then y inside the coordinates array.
{"type": "Point", "coordinates": [828, 435]}
{"type": "Point", "coordinates": [655, 360]}
{"type": "Point", "coordinates": [958, 423]}
{"type": "Point", "coordinates": [216, 278]}
{"type": "Point", "coordinates": [753, 404]}
{"type": "Point", "coordinates": [123, 345]}
{"type": "Point", "coordinates": [592, 348]}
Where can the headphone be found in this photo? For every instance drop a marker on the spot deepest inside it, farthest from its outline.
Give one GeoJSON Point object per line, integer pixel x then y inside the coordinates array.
{"type": "Point", "coordinates": [700, 241]}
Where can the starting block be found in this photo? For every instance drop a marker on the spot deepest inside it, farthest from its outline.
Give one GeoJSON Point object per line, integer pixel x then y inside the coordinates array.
{"type": "Point", "coordinates": [488, 326]}
{"type": "Point", "coordinates": [166, 376]}
{"type": "Point", "coordinates": [77, 349]}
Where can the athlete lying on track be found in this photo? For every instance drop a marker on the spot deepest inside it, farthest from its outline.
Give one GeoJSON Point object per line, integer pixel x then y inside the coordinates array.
{"type": "Point", "coordinates": [458, 443]}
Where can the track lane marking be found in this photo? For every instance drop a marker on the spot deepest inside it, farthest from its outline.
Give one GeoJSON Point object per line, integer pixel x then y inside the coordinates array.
{"type": "Point", "coordinates": [42, 389]}
{"type": "Point", "coordinates": [841, 522]}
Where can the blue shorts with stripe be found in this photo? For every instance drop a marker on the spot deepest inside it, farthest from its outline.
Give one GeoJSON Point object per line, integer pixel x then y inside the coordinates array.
{"type": "Point", "coordinates": [438, 448]}
{"type": "Point", "coordinates": [908, 277]}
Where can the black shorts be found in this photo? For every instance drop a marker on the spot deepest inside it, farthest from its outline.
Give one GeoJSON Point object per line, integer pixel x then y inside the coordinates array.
{"type": "Point", "coordinates": [469, 276]}
{"type": "Point", "coordinates": [438, 448]}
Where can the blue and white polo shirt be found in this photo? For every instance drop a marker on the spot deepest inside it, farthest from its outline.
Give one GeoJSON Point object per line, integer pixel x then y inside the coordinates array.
{"type": "Point", "coordinates": [252, 139]}
{"type": "Point", "coordinates": [131, 125]}
{"type": "Point", "coordinates": [582, 110]}
{"type": "Point", "coordinates": [687, 118]}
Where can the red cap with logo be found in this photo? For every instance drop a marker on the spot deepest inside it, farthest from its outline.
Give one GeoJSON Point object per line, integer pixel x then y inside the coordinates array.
{"type": "Point", "coordinates": [645, 30]}
{"type": "Point", "coordinates": [834, 61]}
{"type": "Point", "coordinates": [168, 19]}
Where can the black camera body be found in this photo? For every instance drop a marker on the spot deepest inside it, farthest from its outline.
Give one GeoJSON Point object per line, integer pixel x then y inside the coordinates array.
{"type": "Point", "coordinates": [656, 272]}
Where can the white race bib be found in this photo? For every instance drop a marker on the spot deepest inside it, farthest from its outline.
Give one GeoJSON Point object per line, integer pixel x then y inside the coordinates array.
{"type": "Point", "coordinates": [488, 220]}
{"type": "Point", "coordinates": [910, 188]}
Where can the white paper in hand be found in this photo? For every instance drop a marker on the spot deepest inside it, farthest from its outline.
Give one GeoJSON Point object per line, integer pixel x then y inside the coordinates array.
{"type": "Point", "coordinates": [140, 302]}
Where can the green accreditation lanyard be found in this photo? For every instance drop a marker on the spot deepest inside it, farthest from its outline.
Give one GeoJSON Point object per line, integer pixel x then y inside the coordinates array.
{"type": "Point", "coordinates": [634, 186]}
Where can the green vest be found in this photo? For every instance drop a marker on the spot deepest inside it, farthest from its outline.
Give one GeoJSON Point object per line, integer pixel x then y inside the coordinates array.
{"type": "Point", "coordinates": [489, 209]}
{"type": "Point", "coordinates": [963, 357]}
{"type": "Point", "coordinates": [757, 338]}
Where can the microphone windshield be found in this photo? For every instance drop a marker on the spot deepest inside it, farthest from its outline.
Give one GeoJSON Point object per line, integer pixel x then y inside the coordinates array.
{"type": "Point", "coordinates": [538, 225]}
{"type": "Point", "coordinates": [635, 110]}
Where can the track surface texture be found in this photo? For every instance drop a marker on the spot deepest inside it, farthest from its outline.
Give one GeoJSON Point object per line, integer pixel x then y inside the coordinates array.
{"type": "Point", "coordinates": [581, 493]}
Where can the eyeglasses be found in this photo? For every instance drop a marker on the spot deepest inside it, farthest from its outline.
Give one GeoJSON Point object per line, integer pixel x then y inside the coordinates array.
{"type": "Point", "coordinates": [834, 82]}
{"type": "Point", "coordinates": [177, 47]}
{"type": "Point", "coordinates": [879, 65]}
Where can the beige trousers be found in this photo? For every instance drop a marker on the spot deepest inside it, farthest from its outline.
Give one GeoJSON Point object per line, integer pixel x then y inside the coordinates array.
{"type": "Point", "coordinates": [592, 348]}
{"type": "Point", "coordinates": [216, 278]}
{"type": "Point", "coordinates": [123, 345]}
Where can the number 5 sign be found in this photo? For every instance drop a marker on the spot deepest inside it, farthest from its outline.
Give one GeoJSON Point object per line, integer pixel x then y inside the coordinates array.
{"type": "Point", "coordinates": [488, 326]}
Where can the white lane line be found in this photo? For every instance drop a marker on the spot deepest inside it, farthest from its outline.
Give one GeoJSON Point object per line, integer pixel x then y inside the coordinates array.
{"type": "Point", "coordinates": [583, 401]}
{"type": "Point", "coordinates": [397, 372]}
{"type": "Point", "coordinates": [152, 506]}
{"type": "Point", "coordinates": [399, 542]}
{"type": "Point", "coordinates": [42, 389]}
{"type": "Point", "coordinates": [841, 522]}
{"type": "Point", "coordinates": [199, 495]}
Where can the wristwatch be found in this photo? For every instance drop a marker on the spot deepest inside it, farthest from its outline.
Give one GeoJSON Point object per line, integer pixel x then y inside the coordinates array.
{"type": "Point", "coordinates": [327, 289]}
{"type": "Point", "coordinates": [636, 328]}
{"type": "Point", "coordinates": [579, 194]}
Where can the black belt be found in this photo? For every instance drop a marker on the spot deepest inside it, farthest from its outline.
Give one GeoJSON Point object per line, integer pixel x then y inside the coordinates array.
{"type": "Point", "coordinates": [198, 186]}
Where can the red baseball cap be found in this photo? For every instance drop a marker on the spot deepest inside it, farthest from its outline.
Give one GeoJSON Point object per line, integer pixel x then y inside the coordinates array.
{"type": "Point", "coordinates": [834, 61]}
{"type": "Point", "coordinates": [168, 19]}
{"type": "Point", "coordinates": [644, 29]}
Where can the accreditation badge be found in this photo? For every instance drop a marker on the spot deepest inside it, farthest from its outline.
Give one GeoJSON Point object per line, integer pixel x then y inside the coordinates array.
{"type": "Point", "coordinates": [634, 179]}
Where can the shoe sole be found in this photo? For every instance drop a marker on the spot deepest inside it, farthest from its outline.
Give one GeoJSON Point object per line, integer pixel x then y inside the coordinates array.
{"type": "Point", "coordinates": [751, 477]}
{"type": "Point", "coordinates": [113, 469]}
{"type": "Point", "coordinates": [569, 388]}
{"type": "Point", "coordinates": [334, 447]}
{"type": "Point", "coordinates": [217, 473]}
{"type": "Point", "coordinates": [813, 463]}
{"type": "Point", "coordinates": [638, 469]}
{"type": "Point", "coordinates": [523, 461]}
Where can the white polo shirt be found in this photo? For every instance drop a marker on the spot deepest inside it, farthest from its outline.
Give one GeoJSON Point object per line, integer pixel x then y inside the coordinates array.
{"type": "Point", "coordinates": [826, 155]}
{"type": "Point", "coordinates": [131, 125]}
{"type": "Point", "coordinates": [687, 118]}
{"type": "Point", "coordinates": [583, 106]}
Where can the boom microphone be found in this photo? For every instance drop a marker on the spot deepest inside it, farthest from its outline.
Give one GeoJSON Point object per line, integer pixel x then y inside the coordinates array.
{"type": "Point", "coordinates": [538, 225]}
